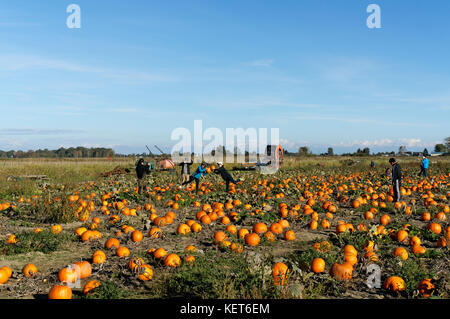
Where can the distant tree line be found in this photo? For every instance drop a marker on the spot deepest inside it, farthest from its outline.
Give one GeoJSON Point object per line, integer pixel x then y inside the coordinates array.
{"type": "Point", "coordinates": [71, 152]}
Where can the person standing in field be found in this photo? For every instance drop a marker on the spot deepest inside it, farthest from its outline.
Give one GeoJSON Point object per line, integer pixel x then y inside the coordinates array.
{"type": "Point", "coordinates": [185, 171]}
{"type": "Point", "coordinates": [199, 172]}
{"type": "Point", "coordinates": [396, 179]}
{"type": "Point", "coordinates": [226, 176]}
{"type": "Point", "coordinates": [142, 169]}
{"type": "Point", "coordinates": [424, 166]}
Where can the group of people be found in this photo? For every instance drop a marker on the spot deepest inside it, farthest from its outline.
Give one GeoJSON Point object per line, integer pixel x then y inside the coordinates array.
{"type": "Point", "coordinates": [397, 174]}
{"type": "Point", "coordinates": [201, 171]}
{"type": "Point", "coordinates": [143, 168]}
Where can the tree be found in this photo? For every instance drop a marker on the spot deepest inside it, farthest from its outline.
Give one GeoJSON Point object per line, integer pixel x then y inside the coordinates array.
{"type": "Point", "coordinates": [440, 148]}
{"type": "Point", "coordinates": [447, 142]}
{"type": "Point", "coordinates": [304, 150]}
{"type": "Point", "coordinates": [402, 150]}
{"type": "Point", "coordinates": [330, 151]}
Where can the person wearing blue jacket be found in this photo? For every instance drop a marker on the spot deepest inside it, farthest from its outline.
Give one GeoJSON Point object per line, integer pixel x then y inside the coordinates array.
{"type": "Point", "coordinates": [199, 172]}
{"type": "Point", "coordinates": [424, 166]}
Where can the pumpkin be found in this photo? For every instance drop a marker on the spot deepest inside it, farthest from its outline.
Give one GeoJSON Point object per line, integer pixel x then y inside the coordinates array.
{"type": "Point", "coordinates": [394, 283]}
{"type": "Point", "coordinates": [145, 272]}
{"type": "Point", "coordinates": [79, 231]}
{"type": "Point", "coordinates": [425, 287]}
{"type": "Point", "coordinates": [350, 249]}
{"type": "Point", "coordinates": [183, 229]}
{"type": "Point", "coordinates": [12, 239]}
{"type": "Point", "coordinates": [29, 270]}
{"type": "Point", "coordinates": [4, 275]}
{"type": "Point", "coordinates": [276, 228]}
{"type": "Point", "coordinates": [350, 258]}
{"type": "Point", "coordinates": [269, 236]}
{"type": "Point", "coordinates": [90, 286]}
{"type": "Point", "coordinates": [417, 249]}
{"type": "Point", "coordinates": [172, 260]}
{"type": "Point", "coordinates": [87, 235]}
{"type": "Point", "coordinates": [279, 273]}
{"type": "Point", "coordinates": [189, 259]}
{"type": "Point", "coordinates": [289, 235]}
{"type": "Point", "coordinates": [402, 235]}
{"type": "Point", "coordinates": [56, 229]}
{"type": "Point", "coordinates": [191, 248]}
{"type": "Point", "coordinates": [155, 232]}
{"type": "Point", "coordinates": [415, 241]}
{"type": "Point", "coordinates": [318, 265]}
{"type": "Point", "coordinates": [68, 274]}
{"type": "Point", "coordinates": [122, 252]}
{"type": "Point", "coordinates": [442, 242]}
{"type": "Point", "coordinates": [60, 292]}
{"type": "Point", "coordinates": [159, 253]}
{"type": "Point", "coordinates": [219, 236]}
{"type": "Point", "coordinates": [135, 263]}
{"type": "Point", "coordinates": [385, 219]}
{"type": "Point", "coordinates": [85, 269]}
{"type": "Point", "coordinates": [426, 216]}
{"type": "Point", "coordinates": [99, 257]}
{"type": "Point", "coordinates": [259, 228]}
{"type": "Point", "coordinates": [252, 239]}
{"type": "Point", "coordinates": [401, 252]}
{"type": "Point", "coordinates": [8, 271]}
{"type": "Point", "coordinates": [112, 243]}
{"type": "Point", "coordinates": [196, 227]}
{"type": "Point", "coordinates": [232, 229]}
{"type": "Point", "coordinates": [243, 232]}
{"type": "Point", "coordinates": [136, 236]}
{"type": "Point", "coordinates": [435, 228]}
{"type": "Point", "coordinates": [238, 248]}
{"type": "Point", "coordinates": [342, 271]}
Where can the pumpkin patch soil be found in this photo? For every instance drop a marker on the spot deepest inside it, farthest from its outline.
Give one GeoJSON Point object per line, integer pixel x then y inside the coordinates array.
{"type": "Point", "coordinates": [266, 196]}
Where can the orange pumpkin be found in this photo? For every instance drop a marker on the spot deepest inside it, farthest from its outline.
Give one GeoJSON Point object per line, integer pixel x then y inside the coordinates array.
{"type": "Point", "coordinates": [318, 265]}
{"type": "Point", "coordinates": [60, 292]}
{"type": "Point", "coordinates": [172, 260]}
{"type": "Point", "coordinates": [342, 272]}
{"type": "Point", "coordinates": [394, 283]}
{"type": "Point", "coordinates": [90, 286]}
{"type": "Point", "coordinates": [29, 270]}
{"type": "Point", "coordinates": [279, 273]}
{"type": "Point", "coordinates": [252, 239]}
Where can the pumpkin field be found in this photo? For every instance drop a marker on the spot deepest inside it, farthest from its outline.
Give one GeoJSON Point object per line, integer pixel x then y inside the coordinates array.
{"type": "Point", "coordinates": [321, 227]}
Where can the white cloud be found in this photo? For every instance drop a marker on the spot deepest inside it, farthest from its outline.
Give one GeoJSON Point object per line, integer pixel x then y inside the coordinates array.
{"type": "Point", "coordinates": [408, 142]}
{"type": "Point", "coordinates": [26, 62]}
{"type": "Point", "coordinates": [262, 63]}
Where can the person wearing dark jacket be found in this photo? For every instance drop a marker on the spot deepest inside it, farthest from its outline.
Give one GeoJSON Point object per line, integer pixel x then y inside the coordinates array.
{"type": "Point", "coordinates": [225, 176]}
{"type": "Point", "coordinates": [396, 179]}
{"type": "Point", "coordinates": [142, 169]}
{"type": "Point", "coordinates": [185, 171]}
{"type": "Point", "coordinates": [199, 172]}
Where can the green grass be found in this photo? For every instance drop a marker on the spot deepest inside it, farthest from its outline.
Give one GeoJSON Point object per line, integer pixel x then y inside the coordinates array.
{"type": "Point", "coordinates": [412, 271]}
{"type": "Point", "coordinates": [107, 290]}
{"type": "Point", "coordinates": [44, 242]}
{"type": "Point", "coordinates": [217, 276]}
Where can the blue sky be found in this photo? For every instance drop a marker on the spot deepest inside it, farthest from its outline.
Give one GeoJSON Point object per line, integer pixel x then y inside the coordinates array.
{"type": "Point", "coordinates": [136, 70]}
